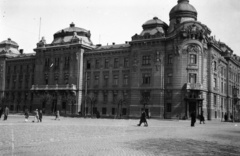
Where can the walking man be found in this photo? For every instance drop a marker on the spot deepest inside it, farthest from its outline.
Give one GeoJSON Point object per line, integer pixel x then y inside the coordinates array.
{"type": "Point", "coordinates": [1, 112]}
{"type": "Point", "coordinates": [193, 118]}
{"type": "Point", "coordinates": [40, 115]}
{"type": "Point", "coordinates": [202, 119]}
{"type": "Point", "coordinates": [6, 112]}
{"type": "Point", "coordinates": [143, 119]}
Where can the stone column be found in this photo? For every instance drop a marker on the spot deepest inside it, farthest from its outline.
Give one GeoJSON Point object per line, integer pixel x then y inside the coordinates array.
{"type": "Point", "coordinates": [80, 79]}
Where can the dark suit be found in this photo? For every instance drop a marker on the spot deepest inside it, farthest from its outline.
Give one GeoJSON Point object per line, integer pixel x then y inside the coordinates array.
{"type": "Point", "coordinates": [193, 119]}
{"type": "Point", "coordinates": [6, 112]}
{"type": "Point", "coordinates": [143, 119]}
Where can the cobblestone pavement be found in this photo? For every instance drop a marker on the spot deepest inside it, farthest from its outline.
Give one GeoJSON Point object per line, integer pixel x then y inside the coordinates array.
{"type": "Point", "coordinates": [111, 137]}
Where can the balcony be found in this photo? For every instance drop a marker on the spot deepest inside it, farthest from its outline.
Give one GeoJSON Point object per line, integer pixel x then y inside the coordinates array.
{"type": "Point", "coordinates": [194, 86]}
{"type": "Point", "coordinates": [54, 87]}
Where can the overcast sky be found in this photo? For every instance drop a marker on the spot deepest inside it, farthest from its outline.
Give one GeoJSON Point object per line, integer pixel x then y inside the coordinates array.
{"type": "Point", "coordinates": [108, 20]}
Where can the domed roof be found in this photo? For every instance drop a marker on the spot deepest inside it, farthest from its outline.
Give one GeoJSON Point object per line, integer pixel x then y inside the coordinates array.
{"type": "Point", "coordinates": [72, 28]}
{"type": "Point", "coordinates": [154, 26]}
{"type": "Point", "coordinates": [183, 9]}
{"type": "Point", "coordinates": [153, 22]}
{"type": "Point", "coordinates": [9, 46]}
{"type": "Point", "coordinates": [70, 33]}
{"type": "Point", "coordinates": [9, 42]}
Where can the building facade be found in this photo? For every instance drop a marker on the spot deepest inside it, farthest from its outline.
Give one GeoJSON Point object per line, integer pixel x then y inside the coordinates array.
{"type": "Point", "coordinates": [169, 70]}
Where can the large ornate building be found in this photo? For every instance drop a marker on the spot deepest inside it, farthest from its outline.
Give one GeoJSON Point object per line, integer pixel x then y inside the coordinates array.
{"type": "Point", "coordinates": [170, 70]}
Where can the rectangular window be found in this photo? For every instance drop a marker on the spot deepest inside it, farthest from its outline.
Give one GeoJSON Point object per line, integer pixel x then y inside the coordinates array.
{"type": "Point", "coordinates": [215, 100]}
{"type": "Point", "coordinates": [116, 63]}
{"type": "Point", "coordinates": [106, 64]}
{"type": "Point", "coordinates": [104, 111]}
{"type": "Point", "coordinates": [105, 97]}
{"type": "Point", "coordinates": [97, 64]}
{"type": "Point", "coordinates": [115, 80]}
{"type": "Point", "coordinates": [169, 79]}
{"type": "Point", "coordinates": [105, 80]}
{"type": "Point", "coordinates": [88, 64]}
{"type": "Point", "coordinates": [170, 59]}
{"type": "Point", "coordinates": [14, 69]}
{"type": "Point", "coordinates": [115, 94]}
{"type": "Point", "coordinates": [96, 82]}
{"type": "Point", "coordinates": [47, 62]}
{"type": "Point", "coordinates": [146, 60]}
{"type": "Point", "coordinates": [9, 69]}
{"type": "Point", "coordinates": [124, 111]}
{"type": "Point", "coordinates": [27, 68]}
{"type": "Point", "coordinates": [21, 68]}
{"type": "Point", "coordinates": [126, 62]}
{"type": "Point", "coordinates": [222, 89]}
{"type": "Point", "coordinates": [56, 63]}
{"type": "Point", "coordinates": [113, 111]}
{"type": "Point", "coordinates": [67, 61]}
{"type": "Point", "coordinates": [125, 80]}
{"type": "Point", "coordinates": [88, 81]}
{"type": "Point", "coordinates": [214, 82]}
{"type": "Point", "coordinates": [193, 59]}
{"type": "Point", "coordinates": [192, 78]}
{"type": "Point", "coordinates": [215, 65]}
{"type": "Point", "coordinates": [146, 78]}
{"type": "Point", "coordinates": [169, 107]}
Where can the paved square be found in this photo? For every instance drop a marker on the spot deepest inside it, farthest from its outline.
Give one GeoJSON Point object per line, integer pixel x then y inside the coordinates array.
{"type": "Point", "coordinates": [111, 137]}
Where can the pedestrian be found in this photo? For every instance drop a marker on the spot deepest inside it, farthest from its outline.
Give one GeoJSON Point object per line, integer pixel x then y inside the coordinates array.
{"type": "Point", "coordinates": [26, 114]}
{"type": "Point", "coordinates": [36, 117]}
{"type": "Point", "coordinates": [202, 119]}
{"type": "Point", "coordinates": [225, 117]}
{"type": "Point", "coordinates": [149, 115]}
{"type": "Point", "coordinates": [57, 115]}
{"type": "Point", "coordinates": [1, 112]}
{"type": "Point", "coordinates": [143, 119]}
{"type": "Point", "coordinates": [193, 118]}
{"type": "Point", "coordinates": [98, 114]}
{"type": "Point", "coordinates": [6, 112]}
{"type": "Point", "coordinates": [40, 115]}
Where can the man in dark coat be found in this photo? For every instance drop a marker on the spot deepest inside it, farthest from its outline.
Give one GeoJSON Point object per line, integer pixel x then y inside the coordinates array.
{"type": "Point", "coordinates": [143, 119]}
{"type": "Point", "coordinates": [193, 118]}
{"type": "Point", "coordinates": [202, 119]}
{"type": "Point", "coordinates": [6, 112]}
{"type": "Point", "coordinates": [1, 112]}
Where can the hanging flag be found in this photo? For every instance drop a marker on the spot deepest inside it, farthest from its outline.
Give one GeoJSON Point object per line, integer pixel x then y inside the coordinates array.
{"type": "Point", "coordinates": [51, 65]}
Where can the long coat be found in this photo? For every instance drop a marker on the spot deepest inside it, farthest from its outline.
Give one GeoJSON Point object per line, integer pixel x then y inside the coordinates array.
{"type": "Point", "coordinates": [6, 111]}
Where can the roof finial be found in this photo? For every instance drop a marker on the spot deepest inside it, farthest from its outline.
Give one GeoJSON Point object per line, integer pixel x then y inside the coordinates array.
{"type": "Point", "coordinates": [180, 1]}
{"type": "Point", "coordinates": [72, 25]}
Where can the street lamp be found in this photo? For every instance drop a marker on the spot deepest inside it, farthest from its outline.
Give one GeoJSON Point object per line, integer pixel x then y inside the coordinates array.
{"type": "Point", "coordinates": [235, 100]}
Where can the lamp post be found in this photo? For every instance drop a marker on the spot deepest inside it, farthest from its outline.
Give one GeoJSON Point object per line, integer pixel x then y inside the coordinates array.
{"type": "Point", "coordinates": [85, 101]}
{"type": "Point", "coordinates": [235, 100]}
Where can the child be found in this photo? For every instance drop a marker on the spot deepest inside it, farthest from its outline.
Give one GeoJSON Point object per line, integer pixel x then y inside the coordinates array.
{"type": "Point", "coordinates": [26, 114]}
{"type": "Point", "coordinates": [57, 115]}
{"type": "Point", "coordinates": [36, 116]}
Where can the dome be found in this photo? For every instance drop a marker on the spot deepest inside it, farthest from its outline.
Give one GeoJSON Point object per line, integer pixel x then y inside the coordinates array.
{"type": "Point", "coordinates": [70, 33]}
{"type": "Point", "coordinates": [153, 23]}
{"type": "Point", "coordinates": [154, 26]}
{"type": "Point", "coordinates": [9, 42]}
{"type": "Point", "coordinates": [9, 46]}
{"type": "Point", "coordinates": [183, 9]}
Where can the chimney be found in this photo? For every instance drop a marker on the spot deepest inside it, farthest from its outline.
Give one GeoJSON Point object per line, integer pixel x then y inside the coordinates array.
{"type": "Point", "coordinates": [126, 42]}
{"type": "Point", "coordinates": [113, 43]}
{"type": "Point", "coordinates": [21, 51]}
